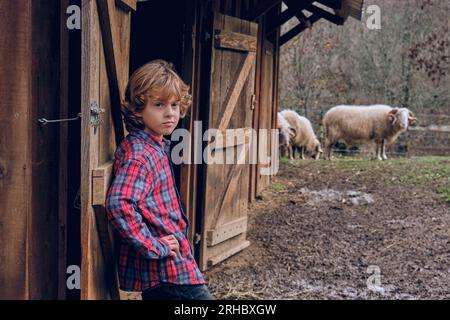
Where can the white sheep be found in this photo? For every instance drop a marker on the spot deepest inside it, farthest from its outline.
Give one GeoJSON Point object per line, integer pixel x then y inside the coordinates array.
{"type": "Point", "coordinates": [304, 136]}
{"type": "Point", "coordinates": [355, 124]}
{"type": "Point", "coordinates": [285, 133]}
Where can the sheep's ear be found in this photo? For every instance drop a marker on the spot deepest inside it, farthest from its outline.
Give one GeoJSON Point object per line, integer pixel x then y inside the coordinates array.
{"type": "Point", "coordinates": [292, 132]}
{"type": "Point", "coordinates": [394, 111]}
{"type": "Point", "coordinates": [392, 117]}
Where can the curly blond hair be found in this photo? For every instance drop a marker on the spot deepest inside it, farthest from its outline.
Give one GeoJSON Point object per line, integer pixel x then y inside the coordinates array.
{"type": "Point", "coordinates": [154, 79]}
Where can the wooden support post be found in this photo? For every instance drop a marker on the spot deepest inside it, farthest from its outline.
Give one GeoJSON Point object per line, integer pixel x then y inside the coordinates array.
{"type": "Point", "coordinates": [292, 11]}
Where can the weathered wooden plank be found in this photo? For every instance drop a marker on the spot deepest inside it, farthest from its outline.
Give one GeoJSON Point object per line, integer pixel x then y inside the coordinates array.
{"type": "Point", "coordinates": [111, 43]}
{"type": "Point", "coordinates": [234, 40]}
{"type": "Point", "coordinates": [238, 84]}
{"type": "Point", "coordinates": [231, 183]}
{"type": "Point", "coordinates": [213, 183]}
{"type": "Point", "coordinates": [111, 276]}
{"type": "Point", "coordinates": [226, 231]}
{"type": "Point", "coordinates": [218, 258]}
{"type": "Point", "coordinates": [92, 264]}
{"type": "Point", "coordinates": [101, 179]}
{"type": "Point", "coordinates": [15, 147]}
{"type": "Point", "coordinates": [230, 138]}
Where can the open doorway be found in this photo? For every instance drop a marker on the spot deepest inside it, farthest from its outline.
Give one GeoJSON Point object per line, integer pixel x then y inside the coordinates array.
{"type": "Point", "coordinates": [158, 30]}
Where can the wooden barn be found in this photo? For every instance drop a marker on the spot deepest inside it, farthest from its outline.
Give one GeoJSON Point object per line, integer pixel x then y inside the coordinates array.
{"type": "Point", "coordinates": [64, 66]}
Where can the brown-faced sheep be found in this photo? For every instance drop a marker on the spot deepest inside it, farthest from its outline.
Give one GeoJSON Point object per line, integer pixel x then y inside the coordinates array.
{"type": "Point", "coordinates": [304, 136]}
{"type": "Point", "coordinates": [285, 133]}
{"type": "Point", "coordinates": [354, 124]}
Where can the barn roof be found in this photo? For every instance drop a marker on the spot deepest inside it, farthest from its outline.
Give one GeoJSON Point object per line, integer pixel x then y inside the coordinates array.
{"type": "Point", "coordinates": [309, 12]}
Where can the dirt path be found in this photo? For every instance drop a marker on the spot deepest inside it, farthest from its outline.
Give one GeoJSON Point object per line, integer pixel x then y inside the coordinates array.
{"type": "Point", "coordinates": [310, 241]}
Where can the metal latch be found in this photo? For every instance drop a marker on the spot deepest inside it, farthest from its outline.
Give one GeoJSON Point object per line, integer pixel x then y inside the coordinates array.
{"type": "Point", "coordinates": [95, 114]}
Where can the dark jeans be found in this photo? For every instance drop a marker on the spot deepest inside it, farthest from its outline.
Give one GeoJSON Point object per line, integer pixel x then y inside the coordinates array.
{"type": "Point", "coordinates": [169, 291]}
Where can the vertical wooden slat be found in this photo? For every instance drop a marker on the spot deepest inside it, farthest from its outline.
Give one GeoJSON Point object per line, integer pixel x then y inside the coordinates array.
{"type": "Point", "coordinates": [15, 146]}
{"type": "Point", "coordinates": [91, 286]}
{"type": "Point", "coordinates": [63, 149]}
{"type": "Point", "coordinates": [111, 43]}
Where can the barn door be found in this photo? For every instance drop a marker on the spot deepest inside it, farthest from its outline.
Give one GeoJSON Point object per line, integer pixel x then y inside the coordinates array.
{"type": "Point", "coordinates": [230, 107]}
{"type": "Point", "coordinates": [105, 63]}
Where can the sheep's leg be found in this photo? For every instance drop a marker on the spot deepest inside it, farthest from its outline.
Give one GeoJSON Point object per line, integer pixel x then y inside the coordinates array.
{"type": "Point", "coordinates": [282, 150]}
{"type": "Point", "coordinates": [378, 150]}
{"type": "Point", "coordinates": [302, 153]}
{"type": "Point", "coordinates": [383, 147]}
{"type": "Point", "coordinates": [328, 145]}
{"type": "Point", "coordinates": [290, 151]}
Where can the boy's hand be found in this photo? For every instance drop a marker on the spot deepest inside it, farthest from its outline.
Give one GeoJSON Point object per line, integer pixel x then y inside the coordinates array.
{"type": "Point", "coordinates": [173, 245]}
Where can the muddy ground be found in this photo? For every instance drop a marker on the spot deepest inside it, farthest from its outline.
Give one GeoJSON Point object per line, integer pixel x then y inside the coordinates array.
{"type": "Point", "coordinates": [310, 240]}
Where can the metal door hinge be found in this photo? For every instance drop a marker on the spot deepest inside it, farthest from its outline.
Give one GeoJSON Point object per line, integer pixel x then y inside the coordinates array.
{"type": "Point", "coordinates": [207, 35]}
{"type": "Point", "coordinates": [253, 105]}
{"type": "Point", "coordinates": [197, 238]}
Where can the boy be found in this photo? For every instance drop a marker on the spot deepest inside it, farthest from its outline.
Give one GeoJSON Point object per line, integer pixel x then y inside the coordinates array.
{"type": "Point", "coordinates": [143, 204]}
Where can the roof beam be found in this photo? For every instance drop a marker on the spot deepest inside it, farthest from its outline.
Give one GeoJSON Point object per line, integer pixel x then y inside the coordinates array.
{"type": "Point", "coordinates": [326, 15]}
{"type": "Point", "coordinates": [291, 11]}
{"type": "Point", "coordinates": [305, 22]}
{"type": "Point", "coordinates": [298, 29]}
{"type": "Point", "coordinates": [259, 10]}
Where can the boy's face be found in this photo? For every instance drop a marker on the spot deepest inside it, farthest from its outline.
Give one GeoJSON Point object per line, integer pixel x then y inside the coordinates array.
{"type": "Point", "coordinates": [160, 115]}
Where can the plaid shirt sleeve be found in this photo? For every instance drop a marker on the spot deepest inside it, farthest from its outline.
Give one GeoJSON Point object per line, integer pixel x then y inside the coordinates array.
{"type": "Point", "coordinates": [131, 183]}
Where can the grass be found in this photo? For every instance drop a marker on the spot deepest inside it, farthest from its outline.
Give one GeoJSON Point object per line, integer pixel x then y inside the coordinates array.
{"type": "Point", "coordinates": [278, 187]}
{"type": "Point", "coordinates": [444, 193]}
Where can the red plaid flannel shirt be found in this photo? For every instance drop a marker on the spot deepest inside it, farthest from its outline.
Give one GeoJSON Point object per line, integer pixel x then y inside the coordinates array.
{"type": "Point", "coordinates": [143, 205]}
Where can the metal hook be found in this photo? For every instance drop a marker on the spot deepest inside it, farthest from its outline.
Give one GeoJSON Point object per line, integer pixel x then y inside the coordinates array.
{"type": "Point", "coordinates": [44, 121]}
